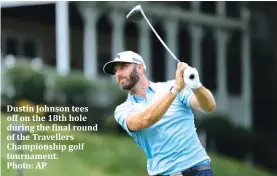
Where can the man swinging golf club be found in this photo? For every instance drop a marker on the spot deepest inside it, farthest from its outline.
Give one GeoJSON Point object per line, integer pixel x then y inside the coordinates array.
{"type": "Point", "coordinates": [159, 117]}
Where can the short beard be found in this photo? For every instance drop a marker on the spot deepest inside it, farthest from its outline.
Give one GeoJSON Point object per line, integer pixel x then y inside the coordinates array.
{"type": "Point", "coordinates": [134, 78]}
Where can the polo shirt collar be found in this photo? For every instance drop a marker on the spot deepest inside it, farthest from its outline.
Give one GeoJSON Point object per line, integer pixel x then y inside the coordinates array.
{"type": "Point", "coordinates": [136, 98]}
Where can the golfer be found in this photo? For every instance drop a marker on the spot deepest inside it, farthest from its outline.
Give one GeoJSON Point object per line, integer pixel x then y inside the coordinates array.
{"type": "Point", "coordinates": [159, 117]}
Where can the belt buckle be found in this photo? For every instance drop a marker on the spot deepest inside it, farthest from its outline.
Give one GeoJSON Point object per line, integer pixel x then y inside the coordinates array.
{"type": "Point", "coordinates": [177, 174]}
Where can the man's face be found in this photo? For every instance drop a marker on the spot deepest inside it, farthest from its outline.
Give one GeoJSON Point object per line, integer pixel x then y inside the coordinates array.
{"type": "Point", "coordinates": [126, 75]}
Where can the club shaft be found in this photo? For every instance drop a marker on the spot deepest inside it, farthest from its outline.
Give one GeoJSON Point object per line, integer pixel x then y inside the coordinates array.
{"type": "Point", "coordinates": [157, 35]}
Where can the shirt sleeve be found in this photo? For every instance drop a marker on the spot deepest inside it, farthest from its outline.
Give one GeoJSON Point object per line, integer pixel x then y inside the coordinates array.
{"type": "Point", "coordinates": [185, 96]}
{"type": "Point", "coordinates": [121, 114]}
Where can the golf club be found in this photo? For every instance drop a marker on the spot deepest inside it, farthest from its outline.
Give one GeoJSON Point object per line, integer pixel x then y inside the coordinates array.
{"type": "Point", "coordinates": [137, 14]}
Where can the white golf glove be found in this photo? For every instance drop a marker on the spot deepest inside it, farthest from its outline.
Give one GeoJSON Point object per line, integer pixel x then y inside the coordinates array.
{"type": "Point", "coordinates": [192, 82]}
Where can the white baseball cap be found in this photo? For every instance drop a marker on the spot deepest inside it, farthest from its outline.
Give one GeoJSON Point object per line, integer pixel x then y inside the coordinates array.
{"type": "Point", "coordinates": [125, 56]}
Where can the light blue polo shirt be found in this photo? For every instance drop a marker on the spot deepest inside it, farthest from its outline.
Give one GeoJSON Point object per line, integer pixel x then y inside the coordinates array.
{"type": "Point", "coordinates": [171, 145]}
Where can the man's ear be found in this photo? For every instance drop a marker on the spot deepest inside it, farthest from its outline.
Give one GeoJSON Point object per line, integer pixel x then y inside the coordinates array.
{"type": "Point", "coordinates": [141, 67]}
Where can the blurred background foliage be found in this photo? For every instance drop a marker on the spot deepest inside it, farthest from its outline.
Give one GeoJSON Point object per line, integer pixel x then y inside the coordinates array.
{"type": "Point", "coordinates": [44, 87]}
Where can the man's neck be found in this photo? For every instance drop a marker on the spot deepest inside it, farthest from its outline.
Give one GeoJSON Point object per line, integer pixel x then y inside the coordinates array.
{"type": "Point", "coordinates": [140, 88]}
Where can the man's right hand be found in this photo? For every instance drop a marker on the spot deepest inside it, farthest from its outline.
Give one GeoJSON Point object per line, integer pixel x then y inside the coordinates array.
{"type": "Point", "coordinates": [180, 83]}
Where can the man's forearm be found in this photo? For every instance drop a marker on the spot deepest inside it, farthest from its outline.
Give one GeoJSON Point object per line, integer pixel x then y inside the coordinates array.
{"type": "Point", "coordinates": [157, 109]}
{"type": "Point", "coordinates": [205, 99]}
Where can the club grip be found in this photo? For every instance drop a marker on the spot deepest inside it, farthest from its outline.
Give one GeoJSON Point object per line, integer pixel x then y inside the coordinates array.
{"type": "Point", "coordinates": [191, 76]}
{"type": "Point", "coordinates": [188, 74]}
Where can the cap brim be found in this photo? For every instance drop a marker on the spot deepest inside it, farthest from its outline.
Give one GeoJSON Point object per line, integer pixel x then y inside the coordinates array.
{"type": "Point", "coordinates": [109, 66]}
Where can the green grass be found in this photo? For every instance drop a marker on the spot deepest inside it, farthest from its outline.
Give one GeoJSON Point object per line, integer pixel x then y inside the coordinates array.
{"type": "Point", "coordinates": [110, 155]}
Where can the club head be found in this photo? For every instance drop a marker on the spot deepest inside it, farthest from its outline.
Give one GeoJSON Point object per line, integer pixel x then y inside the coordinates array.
{"type": "Point", "coordinates": [135, 14]}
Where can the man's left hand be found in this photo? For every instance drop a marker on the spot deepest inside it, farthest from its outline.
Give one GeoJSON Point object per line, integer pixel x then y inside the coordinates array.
{"type": "Point", "coordinates": [192, 83]}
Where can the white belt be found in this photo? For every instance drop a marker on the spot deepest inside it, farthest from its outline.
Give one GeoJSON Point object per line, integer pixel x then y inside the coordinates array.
{"type": "Point", "coordinates": [177, 174]}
